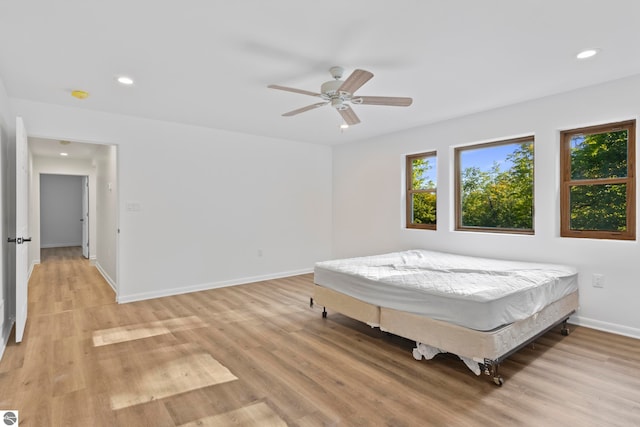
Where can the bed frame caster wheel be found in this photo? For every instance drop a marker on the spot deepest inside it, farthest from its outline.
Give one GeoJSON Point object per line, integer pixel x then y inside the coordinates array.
{"type": "Point", "coordinates": [564, 332]}
{"type": "Point", "coordinates": [498, 380]}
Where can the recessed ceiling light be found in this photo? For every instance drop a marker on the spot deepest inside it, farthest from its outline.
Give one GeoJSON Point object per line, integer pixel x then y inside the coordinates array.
{"type": "Point", "coordinates": [344, 126]}
{"type": "Point", "coordinates": [587, 53]}
{"type": "Point", "coordinates": [64, 154]}
{"type": "Point", "coordinates": [124, 80]}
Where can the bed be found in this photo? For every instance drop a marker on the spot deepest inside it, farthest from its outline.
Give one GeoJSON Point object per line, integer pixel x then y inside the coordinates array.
{"type": "Point", "coordinates": [481, 309]}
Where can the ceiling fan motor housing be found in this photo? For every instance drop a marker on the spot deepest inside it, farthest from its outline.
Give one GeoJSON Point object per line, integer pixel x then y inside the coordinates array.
{"type": "Point", "coordinates": [331, 87]}
{"type": "Point", "coordinates": [330, 93]}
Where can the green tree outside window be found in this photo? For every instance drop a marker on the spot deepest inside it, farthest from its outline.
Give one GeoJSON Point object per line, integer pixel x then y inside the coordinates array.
{"type": "Point", "coordinates": [598, 185]}
{"type": "Point", "coordinates": [498, 197]}
{"type": "Point", "coordinates": [421, 190]}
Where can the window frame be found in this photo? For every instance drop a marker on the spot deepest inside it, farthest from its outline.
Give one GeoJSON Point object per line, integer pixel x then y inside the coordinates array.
{"type": "Point", "coordinates": [566, 182]}
{"type": "Point", "coordinates": [458, 188]}
{"type": "Point", "coordinates": [410, 191]}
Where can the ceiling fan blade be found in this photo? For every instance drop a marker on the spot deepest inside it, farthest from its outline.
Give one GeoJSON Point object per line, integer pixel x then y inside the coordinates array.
{"type": "Point", "coordinates": [383, 100]}
{"type": "Point", "coordinates": [355, 81]}
{"type": "Point", "coordinates": [303, 109]}
{"type": "Point", "coordinates": [349, 116]}
{"type": "Point", "coordinates": [292, 89]}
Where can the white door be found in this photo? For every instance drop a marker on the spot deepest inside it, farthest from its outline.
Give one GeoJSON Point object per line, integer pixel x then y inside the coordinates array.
{"type": "Point", "coordinates": [22, 227]}
{"type": "Point", "coordinates": [85, 216]}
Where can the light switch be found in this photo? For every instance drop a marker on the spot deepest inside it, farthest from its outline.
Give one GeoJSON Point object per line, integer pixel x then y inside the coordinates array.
{"type": "Point", "coordinates": [134, 206]}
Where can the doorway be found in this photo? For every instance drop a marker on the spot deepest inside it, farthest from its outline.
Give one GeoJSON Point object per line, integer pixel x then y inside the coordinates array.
{"type": "Point", "coordinates": [91, 170]}
{"type": "Point", "coordinates": [64, 212]}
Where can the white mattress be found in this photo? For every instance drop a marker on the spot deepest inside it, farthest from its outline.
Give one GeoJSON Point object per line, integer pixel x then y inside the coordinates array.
{"type": "Point", "coordinates": [477, 293]}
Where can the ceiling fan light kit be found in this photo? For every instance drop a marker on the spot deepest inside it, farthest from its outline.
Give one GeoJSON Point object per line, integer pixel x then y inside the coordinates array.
{"type": "Point", "coordinates": [340, 94]}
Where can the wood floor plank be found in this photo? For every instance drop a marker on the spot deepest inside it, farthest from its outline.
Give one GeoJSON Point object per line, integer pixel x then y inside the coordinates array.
{"type": "Point", "coordinates": [86, 360]}
{"type": "Point", "coordinates": [256, 415]}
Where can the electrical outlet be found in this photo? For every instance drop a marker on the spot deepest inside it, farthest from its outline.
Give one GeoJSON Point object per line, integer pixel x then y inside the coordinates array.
{"type": "Point", "coordinates": [598, 280]}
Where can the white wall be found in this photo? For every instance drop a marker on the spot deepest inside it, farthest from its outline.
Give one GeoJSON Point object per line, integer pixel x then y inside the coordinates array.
{"type": "Point", "coordinates": [107, 212]}
{"type": "Point", "coordinates": [368, 197]}
{"type": "Point", "coordinates": [60, 211]}
{"type": "Point", "coordinates": [201, 208]}
{"type": "Point", "coordinates": [61, 166]}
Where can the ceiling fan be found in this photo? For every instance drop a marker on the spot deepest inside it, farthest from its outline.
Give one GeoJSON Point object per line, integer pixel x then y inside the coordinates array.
{"type": "Point", "coordinates": [340, 94]}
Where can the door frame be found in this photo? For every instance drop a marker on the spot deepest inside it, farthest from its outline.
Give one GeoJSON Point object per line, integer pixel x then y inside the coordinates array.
{"type": "Point", "coordinates": [61, 170]}
{"type": "Point", "coordinates": [86, 194]}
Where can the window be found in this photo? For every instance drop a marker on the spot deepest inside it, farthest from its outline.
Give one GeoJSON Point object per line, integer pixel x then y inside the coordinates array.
{"type": "Point", "coordinates": [597, 193]}
{"type": "Point", "coordinates": [422, 172]}
{"type": "Point", "coordinates": [494, 186]}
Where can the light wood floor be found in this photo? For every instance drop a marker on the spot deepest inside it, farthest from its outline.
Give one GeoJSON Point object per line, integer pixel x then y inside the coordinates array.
{"type": "Point", "coordinates": [258, 355]}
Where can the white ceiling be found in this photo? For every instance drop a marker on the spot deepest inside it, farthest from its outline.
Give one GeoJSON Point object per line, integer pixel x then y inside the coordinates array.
{"type": "Point", "coordinates": [208, 63]}
{"type": "Point", "coordinates": [52, 148]}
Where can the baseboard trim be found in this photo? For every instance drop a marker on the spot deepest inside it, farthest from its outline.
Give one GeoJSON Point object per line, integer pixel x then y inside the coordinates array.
{"type": "Point", "coordinates": [31, 267]}
{"type": "Point", "coordinates": [106, 277]}
{"type": "Point", "coordinates": [59, 245]}
{"type": "Point", "coordinates": [614, 328]}
{"type": "Point", "coordinates": [122, 299]}
{"type": "Point", "coordinates": [6, 333]}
